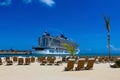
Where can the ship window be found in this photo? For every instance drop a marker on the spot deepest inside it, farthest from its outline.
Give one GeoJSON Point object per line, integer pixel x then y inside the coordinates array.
{"type": "Point", "coordinates": [66, 51]}
{"type": "Point", "coordinates": [39, 49]}
{"type": "Point", "coordinates": [44, 41]}
{"type": "Point", "coordinates": [52, 51]}
{"type": "Point", "coordinates": [61, 51]}
{"type": "Point", "coordinates": [55, 42]}
{"type": "Point", "coordinates": [57, 51]}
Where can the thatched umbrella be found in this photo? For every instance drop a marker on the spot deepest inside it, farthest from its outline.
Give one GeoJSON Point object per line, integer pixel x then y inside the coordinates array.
{"type": "Point", "coordinates": [107, 22]}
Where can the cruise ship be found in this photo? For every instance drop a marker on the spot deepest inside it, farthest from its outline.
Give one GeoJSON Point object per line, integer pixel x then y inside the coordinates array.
{"type": "Point", "coordinates": [48, 44]}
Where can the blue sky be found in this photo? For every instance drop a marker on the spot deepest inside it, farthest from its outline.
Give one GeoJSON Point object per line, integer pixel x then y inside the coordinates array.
{"type": "Point", "coordinates": [22, 21]}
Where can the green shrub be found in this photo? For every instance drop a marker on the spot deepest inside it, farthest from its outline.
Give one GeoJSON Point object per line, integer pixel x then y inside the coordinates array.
{"type": "Point", "coordinates": [117, 63]}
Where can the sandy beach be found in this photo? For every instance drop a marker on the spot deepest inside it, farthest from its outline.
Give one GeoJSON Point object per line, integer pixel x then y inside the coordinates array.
{"type": "Point", "coordinates": [35, 71]}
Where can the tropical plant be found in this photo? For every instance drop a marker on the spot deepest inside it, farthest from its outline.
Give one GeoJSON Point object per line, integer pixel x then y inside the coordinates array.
{"type": "Point", "coordinates": [117, 63]}
{"type": "Point", "coordinates": [107, 22]}
{"type": "Point", "coordinates": [69, 48]}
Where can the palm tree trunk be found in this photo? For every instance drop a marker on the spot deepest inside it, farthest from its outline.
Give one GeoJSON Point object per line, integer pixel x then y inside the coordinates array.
{"type": "Point", "coordinates": [109, 45]}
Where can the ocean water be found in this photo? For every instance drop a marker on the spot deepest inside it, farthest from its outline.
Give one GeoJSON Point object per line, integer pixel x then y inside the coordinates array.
{"type": "Point", "coordinates": [63, 55]}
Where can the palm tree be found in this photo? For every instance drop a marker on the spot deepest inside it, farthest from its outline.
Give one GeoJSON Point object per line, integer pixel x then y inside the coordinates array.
{"type": "Point", "coordinates": [107, 22]}
{"type": "Point", "coordinates": [69, 48]}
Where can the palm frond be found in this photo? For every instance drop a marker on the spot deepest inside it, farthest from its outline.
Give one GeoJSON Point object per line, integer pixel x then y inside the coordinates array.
{"type": "Point", "coordinates": [69, 48]}
{"type": "Point", "coordinates": [107, 22]}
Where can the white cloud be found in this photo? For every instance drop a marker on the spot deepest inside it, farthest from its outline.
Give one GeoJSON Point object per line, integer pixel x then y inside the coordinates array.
{"type": "Point", "coordinates": [114, 48]}
{"type": "Point", "coordinates": [27, 1]}
{"type": "Point", "coordinates": [5, 2]}
{"type": "Point", "coordinates": [48, 2]}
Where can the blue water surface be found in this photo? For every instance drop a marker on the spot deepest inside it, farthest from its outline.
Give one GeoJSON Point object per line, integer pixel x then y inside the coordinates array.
{"type": "Point", "coordinates": [63, 55]}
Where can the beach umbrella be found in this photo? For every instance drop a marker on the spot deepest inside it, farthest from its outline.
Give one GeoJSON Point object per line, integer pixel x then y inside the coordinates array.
{"type": "Point", "coordinates": [107, 22]}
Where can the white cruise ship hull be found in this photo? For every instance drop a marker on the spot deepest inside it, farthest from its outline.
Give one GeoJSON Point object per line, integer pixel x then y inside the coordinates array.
{"type": "Point", "coordinates": [49, 52]}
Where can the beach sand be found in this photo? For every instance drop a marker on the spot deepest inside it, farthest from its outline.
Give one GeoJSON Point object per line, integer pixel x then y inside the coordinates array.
{"type": "Point", "coordinates": [35, 71]}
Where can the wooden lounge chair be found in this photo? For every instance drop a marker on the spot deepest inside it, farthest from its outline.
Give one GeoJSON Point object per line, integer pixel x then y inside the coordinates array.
{"type": "Point", "coordinates": [15, 58]}
{"type": "Point", "coordinates": [70, 65]}
{"type": "Point", "coordinates": [40, 59]}
{"type": "Point", "coordinates": [1, 61]}
{"type": "Point", "coordinates": [54, 58]}
{"type": "Point", "coordinates": [101, 60]}
{"type": "Point", "coordinates": [90, 64]}
{"type": "Point", "coordinates": [58, 63]}
{"type": "Point", "coordinates": [27, 61]}
{"type": "Point", "coordinates": [51, 61]}
{"type": "Point", "coordinates": [113, 59]}
{"type": "Point", "coordinates": [106, 59]}
{"type": "Point", "coordinates": [80, 65]}
{"type": "Point", "coordinates": [43, 62]}
{"type": "Point", "coordinates": [63, 59]}
{"type": "Point", "coordinates": [67, 59]}
{"type": "Point", "coordinates": [76, 58]}
{"type": "Point", "coordinates": [20, 61]}
{"type": "Point", "coordinates": [49, 58]}
{"type": "Point", "coordinates": [9, 62]}
{"type": "Point", "coordinates": [86, 59]}
{"type": "Point", "coordinates": [7, 58]}
{"type": "Point", "coordinates": [32, 59]}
